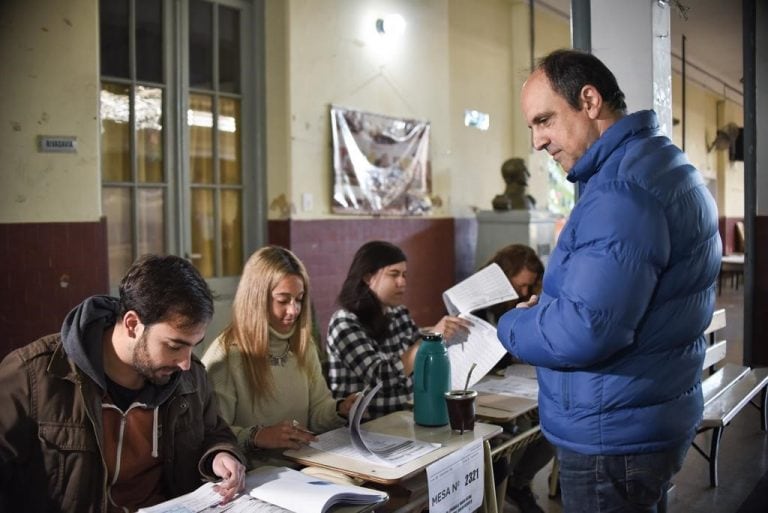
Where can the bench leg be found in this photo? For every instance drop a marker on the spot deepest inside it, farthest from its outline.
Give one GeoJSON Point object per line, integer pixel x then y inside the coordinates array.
{"type": "Point", "coordinates": [764, 411]}
{"type": "Point", "coordinates": [714, 449]}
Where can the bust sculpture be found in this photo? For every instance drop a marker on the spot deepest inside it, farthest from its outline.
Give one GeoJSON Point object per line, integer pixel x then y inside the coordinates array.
{"type": "Point", "coordinates": [515, 176]}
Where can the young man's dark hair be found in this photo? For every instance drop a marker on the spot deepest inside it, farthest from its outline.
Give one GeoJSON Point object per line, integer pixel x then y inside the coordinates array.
{"type": "Point", "coordinates": [160, 287]}
{"type": "Point", "coordinates": [570, 70]}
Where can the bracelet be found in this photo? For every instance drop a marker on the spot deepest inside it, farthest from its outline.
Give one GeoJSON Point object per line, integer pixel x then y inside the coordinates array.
{"type": "Point", "coordinates": [338, 407]}
{"type": "Point", "coordinates": [252, 434]}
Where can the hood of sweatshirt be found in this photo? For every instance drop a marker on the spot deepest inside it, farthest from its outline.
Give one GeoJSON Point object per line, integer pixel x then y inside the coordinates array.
{"type": "Point", "coordinates": [82, 337]}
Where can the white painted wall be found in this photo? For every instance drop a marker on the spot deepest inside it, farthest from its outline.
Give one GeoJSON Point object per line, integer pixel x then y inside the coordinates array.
{"type": "Point", "coordinates": [49, 86]}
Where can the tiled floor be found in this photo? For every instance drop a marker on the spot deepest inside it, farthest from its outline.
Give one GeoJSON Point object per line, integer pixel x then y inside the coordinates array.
{"type": "Point", "coordinates": [743, 452]}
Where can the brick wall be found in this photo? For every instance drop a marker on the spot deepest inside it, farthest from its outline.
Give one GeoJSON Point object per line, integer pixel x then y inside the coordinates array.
{"type": "Point", "coordinates": [439, 252]}
{"type": "Point", "coordinates": [47, 269]}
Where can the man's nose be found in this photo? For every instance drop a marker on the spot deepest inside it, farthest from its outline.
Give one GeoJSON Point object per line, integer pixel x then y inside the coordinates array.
{"type": "Point", "coordinates": [186, 361]}
{"type": "Point", "coordinates": [540, 142]}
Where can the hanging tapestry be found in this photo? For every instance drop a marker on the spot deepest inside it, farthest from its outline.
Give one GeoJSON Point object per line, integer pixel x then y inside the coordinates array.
{"type": "Point", "coordinates": [380, 164]}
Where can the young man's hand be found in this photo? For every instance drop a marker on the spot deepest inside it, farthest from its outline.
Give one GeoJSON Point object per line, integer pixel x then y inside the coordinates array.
{"type": "Point", "coordinates": [232, 474]}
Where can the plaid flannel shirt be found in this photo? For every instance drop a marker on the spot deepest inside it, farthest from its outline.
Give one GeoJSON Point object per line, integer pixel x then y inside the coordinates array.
{"type": "Point", "coordinates": [355, 359]}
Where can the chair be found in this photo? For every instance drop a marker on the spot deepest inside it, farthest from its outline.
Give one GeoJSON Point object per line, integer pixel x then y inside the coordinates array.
{"type": "Point", "coordinates": [739, 242]}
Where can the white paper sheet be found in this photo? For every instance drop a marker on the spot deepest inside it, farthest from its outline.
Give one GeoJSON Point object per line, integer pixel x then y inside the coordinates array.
{"type": "Point", "coordinates": [486, 287]}
{"type": "Point", "coordinates": [514, 386]}
{"type": "Point", "coordinates": [481, 346]}
{"type": "Point", "coordinates": [455, 483]}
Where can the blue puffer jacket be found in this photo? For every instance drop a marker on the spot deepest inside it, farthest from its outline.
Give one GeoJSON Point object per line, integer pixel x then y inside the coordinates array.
{"type": "Point", "coordinates": [630, 288]}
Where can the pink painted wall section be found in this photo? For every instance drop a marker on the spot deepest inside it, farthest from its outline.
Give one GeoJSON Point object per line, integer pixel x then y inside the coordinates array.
{"type": "Point", "coordinates": [47, 269]}
{"type": "Point", "coordinates": [327, 246]}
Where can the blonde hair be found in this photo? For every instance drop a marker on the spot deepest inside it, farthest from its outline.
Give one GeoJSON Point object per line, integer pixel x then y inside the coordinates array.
{"type": "Point", "coordinates": [249, 329]}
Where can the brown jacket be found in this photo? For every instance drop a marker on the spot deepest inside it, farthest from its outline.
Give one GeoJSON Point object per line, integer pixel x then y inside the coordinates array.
{"type": "Point", "coordinates": [51, 443]}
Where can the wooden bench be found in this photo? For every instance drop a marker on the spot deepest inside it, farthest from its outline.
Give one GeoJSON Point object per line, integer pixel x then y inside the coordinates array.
{"type": "Point", "coordinates": [726, 391]}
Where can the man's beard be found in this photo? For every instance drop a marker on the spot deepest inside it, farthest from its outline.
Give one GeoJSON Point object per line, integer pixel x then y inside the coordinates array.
{"type": "Point", "coordinates": [143, 364]}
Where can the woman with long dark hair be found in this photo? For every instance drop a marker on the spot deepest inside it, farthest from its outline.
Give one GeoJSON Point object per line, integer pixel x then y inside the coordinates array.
{"type": "Point", "coordinates": [373, 338]}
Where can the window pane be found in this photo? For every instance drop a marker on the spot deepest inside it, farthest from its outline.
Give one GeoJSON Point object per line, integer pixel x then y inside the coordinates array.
{"type": "Point", "coordinates": [117, 208]}
{"type": "Point", "coordinates": [200, 121]}
{"type": "Point", "coordinates": [203, 232]}
{"type": "Point", "coordinates": [229, 49]}
{"type": "Point", "coordinates": [115, 133]}
{"type": "Point", "coordinates": [113, 27]}
{"type": "Point", "coordinates": [229, 140]}
{"type": "Point", "coordinates": [200, 44]}
{"type": "Point", "coordinates": [150, 213]}
{"type": "Point", "coordinates": [149, 40]}
{"type": "Point", "coordinates": [149, 134]}
{"type": "Point", "coordinates": [231, 232]}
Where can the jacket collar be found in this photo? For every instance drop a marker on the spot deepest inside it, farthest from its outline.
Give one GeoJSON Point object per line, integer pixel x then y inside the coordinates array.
{"type": "Point", "coordinates": [618, 133]}
{"type": "Point", "coordinates": [63, 367]}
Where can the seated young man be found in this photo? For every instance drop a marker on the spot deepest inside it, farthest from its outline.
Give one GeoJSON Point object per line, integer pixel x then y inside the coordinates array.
{"type": "Point", "coordinates": [115, 413]}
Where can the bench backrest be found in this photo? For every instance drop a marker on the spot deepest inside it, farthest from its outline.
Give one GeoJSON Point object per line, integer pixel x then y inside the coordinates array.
{"type": "Point", "coordinates": [716, 350]}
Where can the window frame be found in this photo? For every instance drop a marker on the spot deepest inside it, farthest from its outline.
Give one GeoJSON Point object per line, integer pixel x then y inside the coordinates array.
{"type": "Point", "coordinates": [176, 136]}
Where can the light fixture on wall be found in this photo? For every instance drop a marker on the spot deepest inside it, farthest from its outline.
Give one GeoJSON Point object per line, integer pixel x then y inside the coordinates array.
{"type": "Point", "coordinates": [390, 25]}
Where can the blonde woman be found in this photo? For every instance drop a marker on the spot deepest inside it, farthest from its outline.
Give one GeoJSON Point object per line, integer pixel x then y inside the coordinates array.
{"type": "Point", "coordinates": [264, 366]}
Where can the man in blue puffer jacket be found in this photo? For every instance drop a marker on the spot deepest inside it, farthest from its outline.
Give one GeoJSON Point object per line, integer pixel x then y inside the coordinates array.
{"type": "Point", "coordinates": [617, 332]}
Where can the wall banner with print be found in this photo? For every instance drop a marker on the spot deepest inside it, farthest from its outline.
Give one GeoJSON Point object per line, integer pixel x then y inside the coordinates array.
{"type": "Point", "coordinates": [380, 164]}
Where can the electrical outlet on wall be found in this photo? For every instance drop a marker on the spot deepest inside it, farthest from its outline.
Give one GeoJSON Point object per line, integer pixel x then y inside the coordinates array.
{"type": "Point", "coordinates": [307, 201]}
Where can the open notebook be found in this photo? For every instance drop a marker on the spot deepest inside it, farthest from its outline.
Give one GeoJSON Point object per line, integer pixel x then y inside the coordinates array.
{"type": "Point", "coordinates": [274, 490]}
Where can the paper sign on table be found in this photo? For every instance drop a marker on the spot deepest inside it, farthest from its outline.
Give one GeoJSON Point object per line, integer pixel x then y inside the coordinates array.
{"type": "Point", "coordinates": [455, 483]}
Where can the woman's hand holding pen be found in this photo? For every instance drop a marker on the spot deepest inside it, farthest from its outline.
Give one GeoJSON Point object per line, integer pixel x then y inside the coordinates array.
{"type": "Point", "coordinates": [289, 434]}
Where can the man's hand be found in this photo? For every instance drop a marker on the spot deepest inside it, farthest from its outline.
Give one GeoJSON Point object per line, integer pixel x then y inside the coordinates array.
{"type": "Point", "coordinates": [531, 302]}
{"type": "Point", "coordinates": [232, 474]}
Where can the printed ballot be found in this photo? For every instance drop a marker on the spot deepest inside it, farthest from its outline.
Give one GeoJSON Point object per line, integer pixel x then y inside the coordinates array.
{"type": "Point", "coordinates": [274, 490]}
{"type": "Point", "coordinates": [485, 288]}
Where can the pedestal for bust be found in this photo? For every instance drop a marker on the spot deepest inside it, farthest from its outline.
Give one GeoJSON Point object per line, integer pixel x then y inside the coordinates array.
{"type": "Point", "coordinates": [499, 228]}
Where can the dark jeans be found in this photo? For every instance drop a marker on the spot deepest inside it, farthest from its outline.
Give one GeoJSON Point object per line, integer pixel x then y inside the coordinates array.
{"type": "Point", "coordinates": [625, 483]}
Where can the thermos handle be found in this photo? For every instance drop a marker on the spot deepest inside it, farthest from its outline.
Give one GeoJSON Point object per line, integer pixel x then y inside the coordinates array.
{"type": "Point", "coordinates": [425, 363]}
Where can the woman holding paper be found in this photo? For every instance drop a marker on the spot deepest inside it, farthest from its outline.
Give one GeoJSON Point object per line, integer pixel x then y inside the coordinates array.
{"type": "Point", "coordinates": [524, 270]}
{"type": "Point", "coordinates": [264, 367]}
{"type": "Point", "coordinates": [373, 338]}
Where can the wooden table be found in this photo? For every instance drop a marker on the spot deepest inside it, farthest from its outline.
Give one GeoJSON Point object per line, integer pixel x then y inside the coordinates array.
{"type": "Point", "coordinates": [503, 399]}
{"type": "Point", "coordinates": [399, 424]}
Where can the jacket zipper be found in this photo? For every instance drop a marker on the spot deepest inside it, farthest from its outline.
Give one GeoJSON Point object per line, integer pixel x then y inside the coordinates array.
{"type": "Point", "coordinates": [566, 390]}
{"type": "Point", "coordinates": [98, 444]}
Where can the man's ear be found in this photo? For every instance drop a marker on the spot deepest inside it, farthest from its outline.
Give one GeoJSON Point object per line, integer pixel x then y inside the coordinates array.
{"type": "Point", "coordinates": [591, 100]}
{"type": "Point", "coordinates": [132, 324]}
